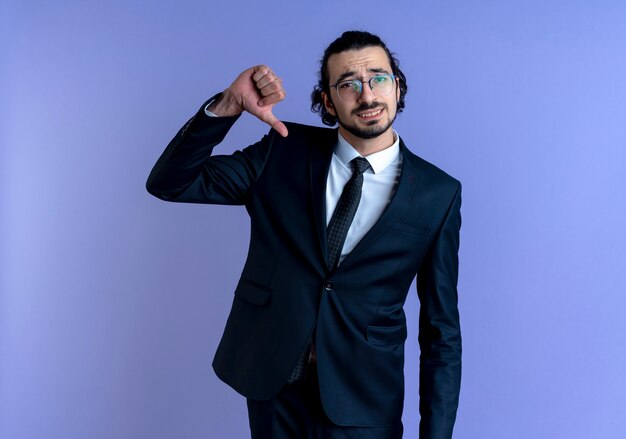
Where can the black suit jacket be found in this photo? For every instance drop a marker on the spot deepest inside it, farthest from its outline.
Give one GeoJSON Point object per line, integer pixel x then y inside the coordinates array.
{"type": "Point", "coordinates": [286, 290]}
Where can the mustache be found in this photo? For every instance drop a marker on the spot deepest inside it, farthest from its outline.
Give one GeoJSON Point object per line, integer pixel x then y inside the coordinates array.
{"type": "Point", "coordinates": [365, 107]}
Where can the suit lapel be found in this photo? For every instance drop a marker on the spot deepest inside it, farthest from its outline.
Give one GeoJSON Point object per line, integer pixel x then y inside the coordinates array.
{"type": "Point", "coordinates": [409, 178]}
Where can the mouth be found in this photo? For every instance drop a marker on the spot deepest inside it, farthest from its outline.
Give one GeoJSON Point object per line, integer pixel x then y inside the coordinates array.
{"type": "Point", "coordinates": [371, 114]}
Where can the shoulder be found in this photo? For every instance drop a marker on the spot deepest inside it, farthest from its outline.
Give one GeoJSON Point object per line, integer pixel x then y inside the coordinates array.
{"type": "Point", "coordinates": [309, 130]}
{"type": "Point", "coordinates": [431, 173]}
{"type": "Point", "coordinates": [304, 135]}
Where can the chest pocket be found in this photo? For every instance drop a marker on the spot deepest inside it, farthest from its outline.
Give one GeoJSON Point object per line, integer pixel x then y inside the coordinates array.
{"type": "Point", "coordinates": [412, 230]}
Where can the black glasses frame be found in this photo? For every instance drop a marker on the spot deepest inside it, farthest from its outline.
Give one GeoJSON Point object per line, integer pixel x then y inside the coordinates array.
{"type": "Point", "coordinates": [394, 78]}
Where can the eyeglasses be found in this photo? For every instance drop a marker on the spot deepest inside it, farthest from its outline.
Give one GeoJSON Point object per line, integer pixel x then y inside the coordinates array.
{"type": "Point", "coordinates": [351, 89]}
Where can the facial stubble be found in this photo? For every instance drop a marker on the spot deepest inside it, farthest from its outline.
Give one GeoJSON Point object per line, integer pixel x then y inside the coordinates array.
{"type": "Point", "coordinates": [364, 133]}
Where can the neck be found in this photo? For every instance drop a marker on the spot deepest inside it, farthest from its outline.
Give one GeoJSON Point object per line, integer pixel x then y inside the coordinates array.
{"type": "Point", "coordinates": [366, 147]}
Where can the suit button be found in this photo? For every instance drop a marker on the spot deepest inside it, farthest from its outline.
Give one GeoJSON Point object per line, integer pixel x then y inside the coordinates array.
{"type": "Point", "coordinates": [328, 285]}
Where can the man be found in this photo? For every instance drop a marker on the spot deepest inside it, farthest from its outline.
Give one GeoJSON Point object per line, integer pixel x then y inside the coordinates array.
{"type": "Point", "coordinates": [342, 220]}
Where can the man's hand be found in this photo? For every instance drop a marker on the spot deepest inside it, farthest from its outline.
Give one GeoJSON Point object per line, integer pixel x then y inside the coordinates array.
{"type": "Point", "coordinates": [256, 91]}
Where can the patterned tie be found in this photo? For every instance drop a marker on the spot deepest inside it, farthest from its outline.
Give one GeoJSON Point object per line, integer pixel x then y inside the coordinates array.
{"type": "Point", "coordinates": [345, 211]}
{"type": "Point", "coordinates": [337, 232]}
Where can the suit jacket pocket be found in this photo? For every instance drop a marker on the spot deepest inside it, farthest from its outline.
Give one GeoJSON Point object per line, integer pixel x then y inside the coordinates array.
{"type": "Point", "coordinates": [252, 292]}
{"type": "Point", "coordinates": [386, 335]}
{"type": "Point", "coordinates": [412, 229]}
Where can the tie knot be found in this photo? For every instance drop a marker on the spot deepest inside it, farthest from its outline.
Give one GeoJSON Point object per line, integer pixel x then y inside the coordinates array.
{"type": "Point", "coordinates": [360, 165]}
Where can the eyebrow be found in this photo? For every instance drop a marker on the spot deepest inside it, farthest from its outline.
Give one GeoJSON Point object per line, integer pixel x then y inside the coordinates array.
{"type": "Point", "coordinates": [352, 73]}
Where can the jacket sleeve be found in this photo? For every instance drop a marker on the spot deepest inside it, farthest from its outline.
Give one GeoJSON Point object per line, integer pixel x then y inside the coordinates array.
{"type": "Point", "coordinates": [439, 329]}
{"type": "Point", "coordinates": [187, 172]}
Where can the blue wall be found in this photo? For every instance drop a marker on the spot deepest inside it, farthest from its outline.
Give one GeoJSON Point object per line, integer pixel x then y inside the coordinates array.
{"type": "Point", "coordinates": [112, 302]}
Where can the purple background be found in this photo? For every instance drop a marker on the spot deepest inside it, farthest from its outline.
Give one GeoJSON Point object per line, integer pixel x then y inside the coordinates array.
{"type": "Point", "coordinates": [113, 302]}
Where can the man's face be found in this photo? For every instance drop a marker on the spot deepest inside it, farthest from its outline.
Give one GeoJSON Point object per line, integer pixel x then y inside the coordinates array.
{"type": "Point", "coordinates": [368, 115]}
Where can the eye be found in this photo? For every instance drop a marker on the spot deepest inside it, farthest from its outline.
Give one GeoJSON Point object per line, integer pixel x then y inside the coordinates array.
{"type": "Point", "coordinates": [380, 79]}
{"type": "Point", "coordinates": [346, 85]}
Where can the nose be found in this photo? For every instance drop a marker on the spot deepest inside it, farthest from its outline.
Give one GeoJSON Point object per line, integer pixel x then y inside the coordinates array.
{"type": "Point", "coordinates": [367, 95]}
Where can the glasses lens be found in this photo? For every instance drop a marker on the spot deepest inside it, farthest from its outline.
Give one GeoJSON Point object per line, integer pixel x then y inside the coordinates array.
{"type": "Point", "coordinates": [381, 85]}
{"type": "Point", "coordinates": [349, 90]}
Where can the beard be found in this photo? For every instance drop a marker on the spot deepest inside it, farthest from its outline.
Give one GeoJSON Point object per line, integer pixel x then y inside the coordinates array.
{"type": "Point", "coordinates": [371, 131]}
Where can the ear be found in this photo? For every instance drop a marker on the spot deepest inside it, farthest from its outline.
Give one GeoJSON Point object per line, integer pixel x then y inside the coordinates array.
{"type": "Point", "coordinates": [328, 103]}
{"type": "Point", "coordinates": [397, 91]}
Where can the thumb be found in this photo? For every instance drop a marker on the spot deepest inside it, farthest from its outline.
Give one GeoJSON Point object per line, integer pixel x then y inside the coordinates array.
{"type": "Point", "coordinates": [276, 124]}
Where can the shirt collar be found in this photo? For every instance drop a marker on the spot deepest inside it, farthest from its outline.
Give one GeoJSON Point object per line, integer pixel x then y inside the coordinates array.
{"type": "Point", "coordinates": [378, 161]}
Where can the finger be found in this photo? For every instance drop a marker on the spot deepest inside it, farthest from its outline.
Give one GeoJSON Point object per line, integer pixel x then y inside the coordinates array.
{"type": "Point", "coordinates": [276, 124]}
{"type": "Point", "coordinates": [280, 128]}
{"type": "Point", "coordinates": [260, 71]}
{"type": "Point", "coordinates": [267, 79]}
{"type": "Point", "coordinates": [270, 88]}
{"type": "Point", "coordinates": [272, 98]}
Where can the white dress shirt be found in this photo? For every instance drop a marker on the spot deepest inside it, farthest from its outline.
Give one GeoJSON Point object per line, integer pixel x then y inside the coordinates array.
{"type": "Point", "coordinates": [379, 184]}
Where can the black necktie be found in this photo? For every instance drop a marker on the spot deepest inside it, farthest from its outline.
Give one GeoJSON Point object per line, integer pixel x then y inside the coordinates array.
{"type": "Point", "coordinates": [345, 211]}
{"type": "Point", "coordinates": [337, 231]}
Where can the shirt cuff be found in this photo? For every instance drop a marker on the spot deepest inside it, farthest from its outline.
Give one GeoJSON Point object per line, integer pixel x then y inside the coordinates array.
{"type": "Point", "coordinates": [206, 109]}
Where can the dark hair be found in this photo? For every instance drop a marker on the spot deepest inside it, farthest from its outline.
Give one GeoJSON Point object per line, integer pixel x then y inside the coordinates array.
{"type": "Point", "coordinates": [351, 40]}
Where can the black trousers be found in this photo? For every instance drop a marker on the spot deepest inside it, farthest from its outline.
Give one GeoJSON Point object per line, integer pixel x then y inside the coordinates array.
{"type": "Point", "coordinates": [297, 413]}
